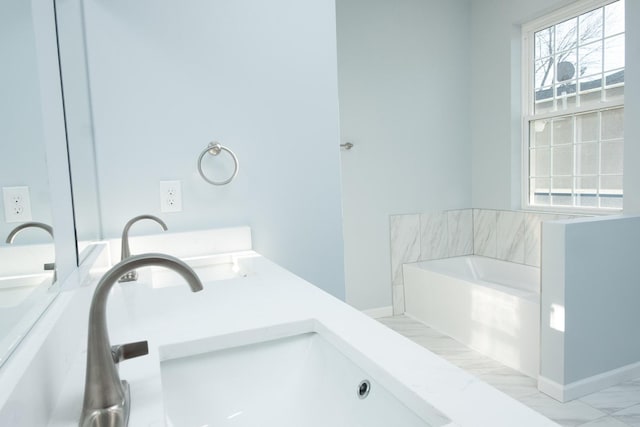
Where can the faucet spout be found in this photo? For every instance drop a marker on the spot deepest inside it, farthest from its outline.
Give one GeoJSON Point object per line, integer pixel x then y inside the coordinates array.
{"type": "Point", "coordinates": [125, 251]}
{"type": "Point", "coordinates": [32, 224]}
{"type": "Point", "coordinates": [15, 231]}
{"type": "Point", "coordinates": [106, 397]}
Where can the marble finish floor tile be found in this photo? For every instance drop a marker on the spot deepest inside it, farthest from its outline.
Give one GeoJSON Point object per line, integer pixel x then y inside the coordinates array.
{"type": "Point", "coordinates": [441, 345]}
{"type": "Point", "coordinates": [617, 406]}
{"type": "Point", "coordinates": [629, 416]}
{"type": "Point", "coordinates": [615, 398]}
{"type": "Point", "coordinates": [511, 382]}
{"type": "Point", "coordinates": [570, 414]}
{"type": "Point", "coordinates": [474, 363]}
{"type": "Point", "coordinates": [408, 327]}
{"type": "Point", "coordinates": [605, 422]}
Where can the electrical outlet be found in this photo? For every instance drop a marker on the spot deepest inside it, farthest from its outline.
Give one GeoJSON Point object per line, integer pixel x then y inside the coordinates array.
{"type": "Point", "coordinates": [17, 204]}
{"type": "Point", "coordinates": [170, 196]}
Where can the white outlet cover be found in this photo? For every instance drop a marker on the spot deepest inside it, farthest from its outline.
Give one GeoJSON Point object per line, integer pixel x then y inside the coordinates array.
{"type": "Point", "coordinates": [170, 196]}
{"type": "Point", "coordinates": [17, 204]}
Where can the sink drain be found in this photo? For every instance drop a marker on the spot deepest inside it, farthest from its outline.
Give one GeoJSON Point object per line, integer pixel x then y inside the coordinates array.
{"type": "Point", "coordinates": [364, 388]}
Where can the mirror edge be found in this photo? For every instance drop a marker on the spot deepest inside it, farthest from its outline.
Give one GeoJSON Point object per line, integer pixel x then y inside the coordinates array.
{"type": "Point", "coordinates": [55, 140]}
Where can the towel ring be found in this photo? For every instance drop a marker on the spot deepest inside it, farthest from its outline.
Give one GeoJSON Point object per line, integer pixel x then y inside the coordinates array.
{"type": "Point", "coordinates": [214, 148]}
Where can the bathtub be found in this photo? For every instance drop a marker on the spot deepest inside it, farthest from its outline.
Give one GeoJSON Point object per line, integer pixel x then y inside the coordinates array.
{"type": "Point", "coordinates": [490, 305]}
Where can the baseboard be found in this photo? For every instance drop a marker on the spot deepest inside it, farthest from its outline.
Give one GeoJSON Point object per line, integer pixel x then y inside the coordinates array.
{"type": "Point", "coordinates": [551, 388]}
{"type": "Point", "coordinates": [379, 312]}
{"type": "Point", "coordinates": [577, 389]}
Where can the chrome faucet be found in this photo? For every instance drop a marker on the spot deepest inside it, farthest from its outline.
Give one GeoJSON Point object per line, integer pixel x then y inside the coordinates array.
{"type": "Point", "coordinates": [45, 227]}
{"type": "Point", "coordinates": [125, 252]}
{"type": "Point", "coordinates": [106, 397]}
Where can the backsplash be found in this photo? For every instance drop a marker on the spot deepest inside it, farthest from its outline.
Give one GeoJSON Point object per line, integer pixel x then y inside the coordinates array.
{"type": "Point", "coordinates": [512, 236]}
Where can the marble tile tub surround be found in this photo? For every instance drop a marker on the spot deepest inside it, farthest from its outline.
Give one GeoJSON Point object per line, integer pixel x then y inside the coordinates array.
{"type": "Point", "coordinates": [507, 235]}
{"type": "Point", "coordinates": [512, 236]}
{"type": "Point", "coordinates": [405, 247]}
{"type": "Point", "coordinates": [419, 237]}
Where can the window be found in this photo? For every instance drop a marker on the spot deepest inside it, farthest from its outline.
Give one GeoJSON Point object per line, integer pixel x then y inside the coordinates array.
{"type": "Point", "coordinates": [574, 107]}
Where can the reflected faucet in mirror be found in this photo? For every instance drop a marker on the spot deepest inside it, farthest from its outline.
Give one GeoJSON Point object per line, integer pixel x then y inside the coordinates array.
{"type": "Point", "coordinates": [106, 397]}
{"type": "Point", "coordinates": [125, 252]}
{"type": "Point", "coordinates": [45, 227]}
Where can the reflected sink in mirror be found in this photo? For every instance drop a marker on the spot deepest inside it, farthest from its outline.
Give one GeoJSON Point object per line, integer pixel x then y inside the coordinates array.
{"type": "Point", "coordinates": [22, 300]}
{"type": "Point", "coordinates": [15, 290]}
{"type": "Point", "coordinates": [288, 376]}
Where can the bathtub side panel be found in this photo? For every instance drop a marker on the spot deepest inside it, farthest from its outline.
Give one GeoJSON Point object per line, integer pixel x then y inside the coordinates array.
{"type": "Point", "coordinates": [438, 300]}
{"type": "Point", "coordinates": [499, 325]}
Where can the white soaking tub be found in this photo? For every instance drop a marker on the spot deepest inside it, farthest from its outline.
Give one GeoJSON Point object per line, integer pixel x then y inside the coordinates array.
{"type": "Point", "coordinates": [490, 305]}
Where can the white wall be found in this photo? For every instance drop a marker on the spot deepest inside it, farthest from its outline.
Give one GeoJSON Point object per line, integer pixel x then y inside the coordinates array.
{"type": "Point", "coordinates": [496, 100]}
{"type": "Point", "coordinates": [403, 71]}
{"type": "Point", "coordinates": [260, 77]}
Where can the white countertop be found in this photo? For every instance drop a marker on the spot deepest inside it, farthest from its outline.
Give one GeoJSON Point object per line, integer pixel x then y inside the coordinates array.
{"type": "Point", "coordinates": [271, 296]}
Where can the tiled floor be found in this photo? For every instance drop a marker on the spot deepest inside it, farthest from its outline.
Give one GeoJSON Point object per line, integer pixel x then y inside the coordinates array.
{"type": "Point", "coordinates": [617, 406]}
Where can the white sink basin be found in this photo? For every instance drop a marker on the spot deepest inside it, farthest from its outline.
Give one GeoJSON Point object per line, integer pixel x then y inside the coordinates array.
{"type": "Point", "coordinates": [289, 377]}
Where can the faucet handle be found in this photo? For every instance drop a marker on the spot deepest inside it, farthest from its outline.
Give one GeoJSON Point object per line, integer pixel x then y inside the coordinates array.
{"type": "Point", "coordinates": [129, 351]}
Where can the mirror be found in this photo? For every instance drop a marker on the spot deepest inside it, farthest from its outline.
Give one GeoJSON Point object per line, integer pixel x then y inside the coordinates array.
{"type": "Point", "coordinates": [27, 266]}
{"type": "Point", "coordinates": [79, 123]}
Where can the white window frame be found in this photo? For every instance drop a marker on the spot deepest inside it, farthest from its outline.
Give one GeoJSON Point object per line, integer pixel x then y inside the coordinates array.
{"type": "Point", "coordinates": [527, 71]}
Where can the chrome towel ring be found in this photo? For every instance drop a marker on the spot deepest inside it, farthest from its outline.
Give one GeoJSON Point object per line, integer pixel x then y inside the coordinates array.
{"type": "Point", "coordinates": [214, 148]}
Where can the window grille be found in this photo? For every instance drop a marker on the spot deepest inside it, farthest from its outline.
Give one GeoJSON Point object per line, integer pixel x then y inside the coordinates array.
{"type": "Point", "coordinates": [574, 114]}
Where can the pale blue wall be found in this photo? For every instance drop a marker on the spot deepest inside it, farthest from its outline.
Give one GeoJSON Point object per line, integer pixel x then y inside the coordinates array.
{"type": "Point", "coordinates": [260, 77]}
{"type": "Point", "coordinates": [601, 296]}
{"type": "Point", "coordinates": [22, 147]}
{"type": "Point", "coordinates": [590, 268]}
{"type": "Point", "coordinates": [404, 101]}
